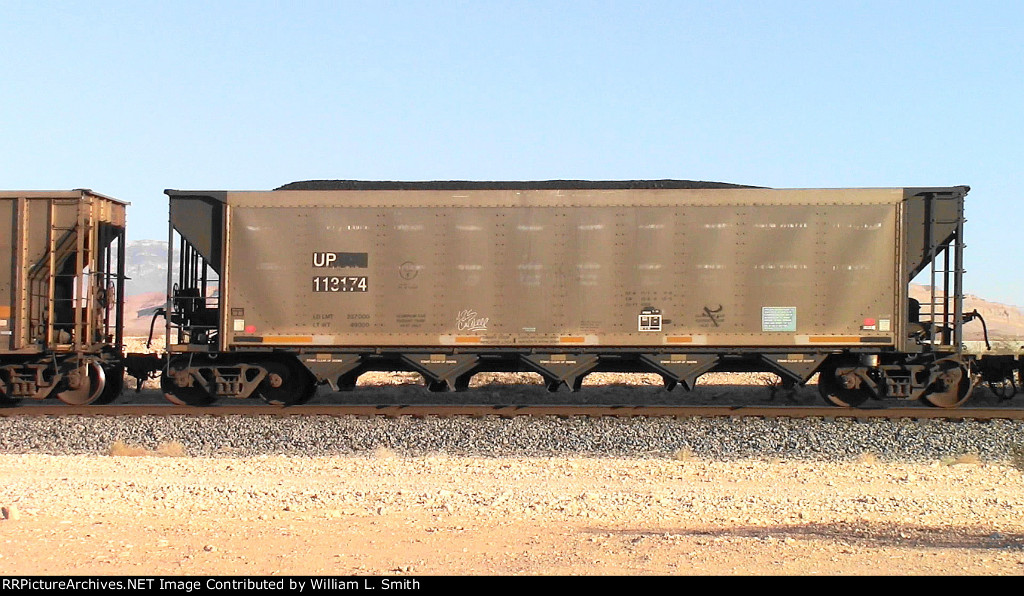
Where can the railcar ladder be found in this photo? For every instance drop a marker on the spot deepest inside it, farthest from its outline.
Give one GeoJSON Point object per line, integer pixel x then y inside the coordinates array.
{"type": "Point", "coordinates": [944, 327]}
{"type": "Point", "coordinates": [61, 241]}
{"type": "Point", "coordinates": [42, 277]}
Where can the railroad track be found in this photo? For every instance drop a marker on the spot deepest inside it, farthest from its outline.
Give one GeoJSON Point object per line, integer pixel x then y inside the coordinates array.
{"type": "Point", "coordinates": [420, 410]}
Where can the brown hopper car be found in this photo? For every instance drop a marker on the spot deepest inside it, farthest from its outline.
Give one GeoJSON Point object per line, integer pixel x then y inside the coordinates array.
{"type": "Point", "coordinates": [318, 282]}
{"type": "Point", "coordinates": [61, 296]}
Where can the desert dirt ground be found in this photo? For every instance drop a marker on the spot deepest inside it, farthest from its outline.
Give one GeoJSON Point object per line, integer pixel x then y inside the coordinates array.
{"type": "Point", "coordinates": [164, 513]}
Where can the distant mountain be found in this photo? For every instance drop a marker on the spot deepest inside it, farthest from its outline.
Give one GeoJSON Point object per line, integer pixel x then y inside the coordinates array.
{"type": "Point", "coordinates": [139, 310]}
{"type": "Point", "coordinates": [1004, 321]}
{"type": "Point", "coordinates": [146, 267]}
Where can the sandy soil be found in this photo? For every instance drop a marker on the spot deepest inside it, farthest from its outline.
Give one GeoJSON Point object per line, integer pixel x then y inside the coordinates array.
{"type": "Point", "coordinates": [170, 514]}
{"type": "Point", "coordinates": [456, 515]}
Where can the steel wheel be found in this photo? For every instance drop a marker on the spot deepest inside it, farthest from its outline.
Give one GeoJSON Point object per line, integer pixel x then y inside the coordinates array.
{"type": "Point", "coordinates": [832, 390]}
{"type": "Point", "coordinates": [83, 385]}
{"type": "Point", "coordinates": [286, 383]}
{"type": "Point", "coordinates": [183, 396]}
{"type": "Point", "coordinates": [115, 383]}
{"type": "Point", "coordinates": [952, 387]}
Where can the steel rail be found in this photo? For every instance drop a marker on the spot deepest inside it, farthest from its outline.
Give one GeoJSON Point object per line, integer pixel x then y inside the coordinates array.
{"type": "Point", "coordinates": [422, 411]}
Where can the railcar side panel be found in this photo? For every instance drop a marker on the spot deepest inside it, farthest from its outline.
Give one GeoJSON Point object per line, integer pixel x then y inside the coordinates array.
{"type": "Point", "coordinates": [494, 269]}
{"type": "Point", "coordinates": [8, 231]}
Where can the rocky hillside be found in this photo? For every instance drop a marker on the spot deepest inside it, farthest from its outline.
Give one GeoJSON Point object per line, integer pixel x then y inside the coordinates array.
{"type": "Point", "coordinates": [146, 288]}
{"type": "Point", "coordinates": [146, 267]}
{"type": "Point", "coordinates": [138, 313]}
{"type": "Point", "coordinates": [1004, 321]}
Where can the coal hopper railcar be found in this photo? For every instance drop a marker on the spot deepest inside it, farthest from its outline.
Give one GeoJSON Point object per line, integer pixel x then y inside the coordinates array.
{"type": "Point", "coordinates": [318, 282]}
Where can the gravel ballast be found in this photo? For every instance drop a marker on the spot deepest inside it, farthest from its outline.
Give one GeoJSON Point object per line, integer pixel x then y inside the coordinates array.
{"type": "Point", "coordinates": [714, 438]}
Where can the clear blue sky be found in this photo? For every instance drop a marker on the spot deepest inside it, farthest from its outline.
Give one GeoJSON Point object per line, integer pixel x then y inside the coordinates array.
{"type": "Point", "coordinates": [129, 98]}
